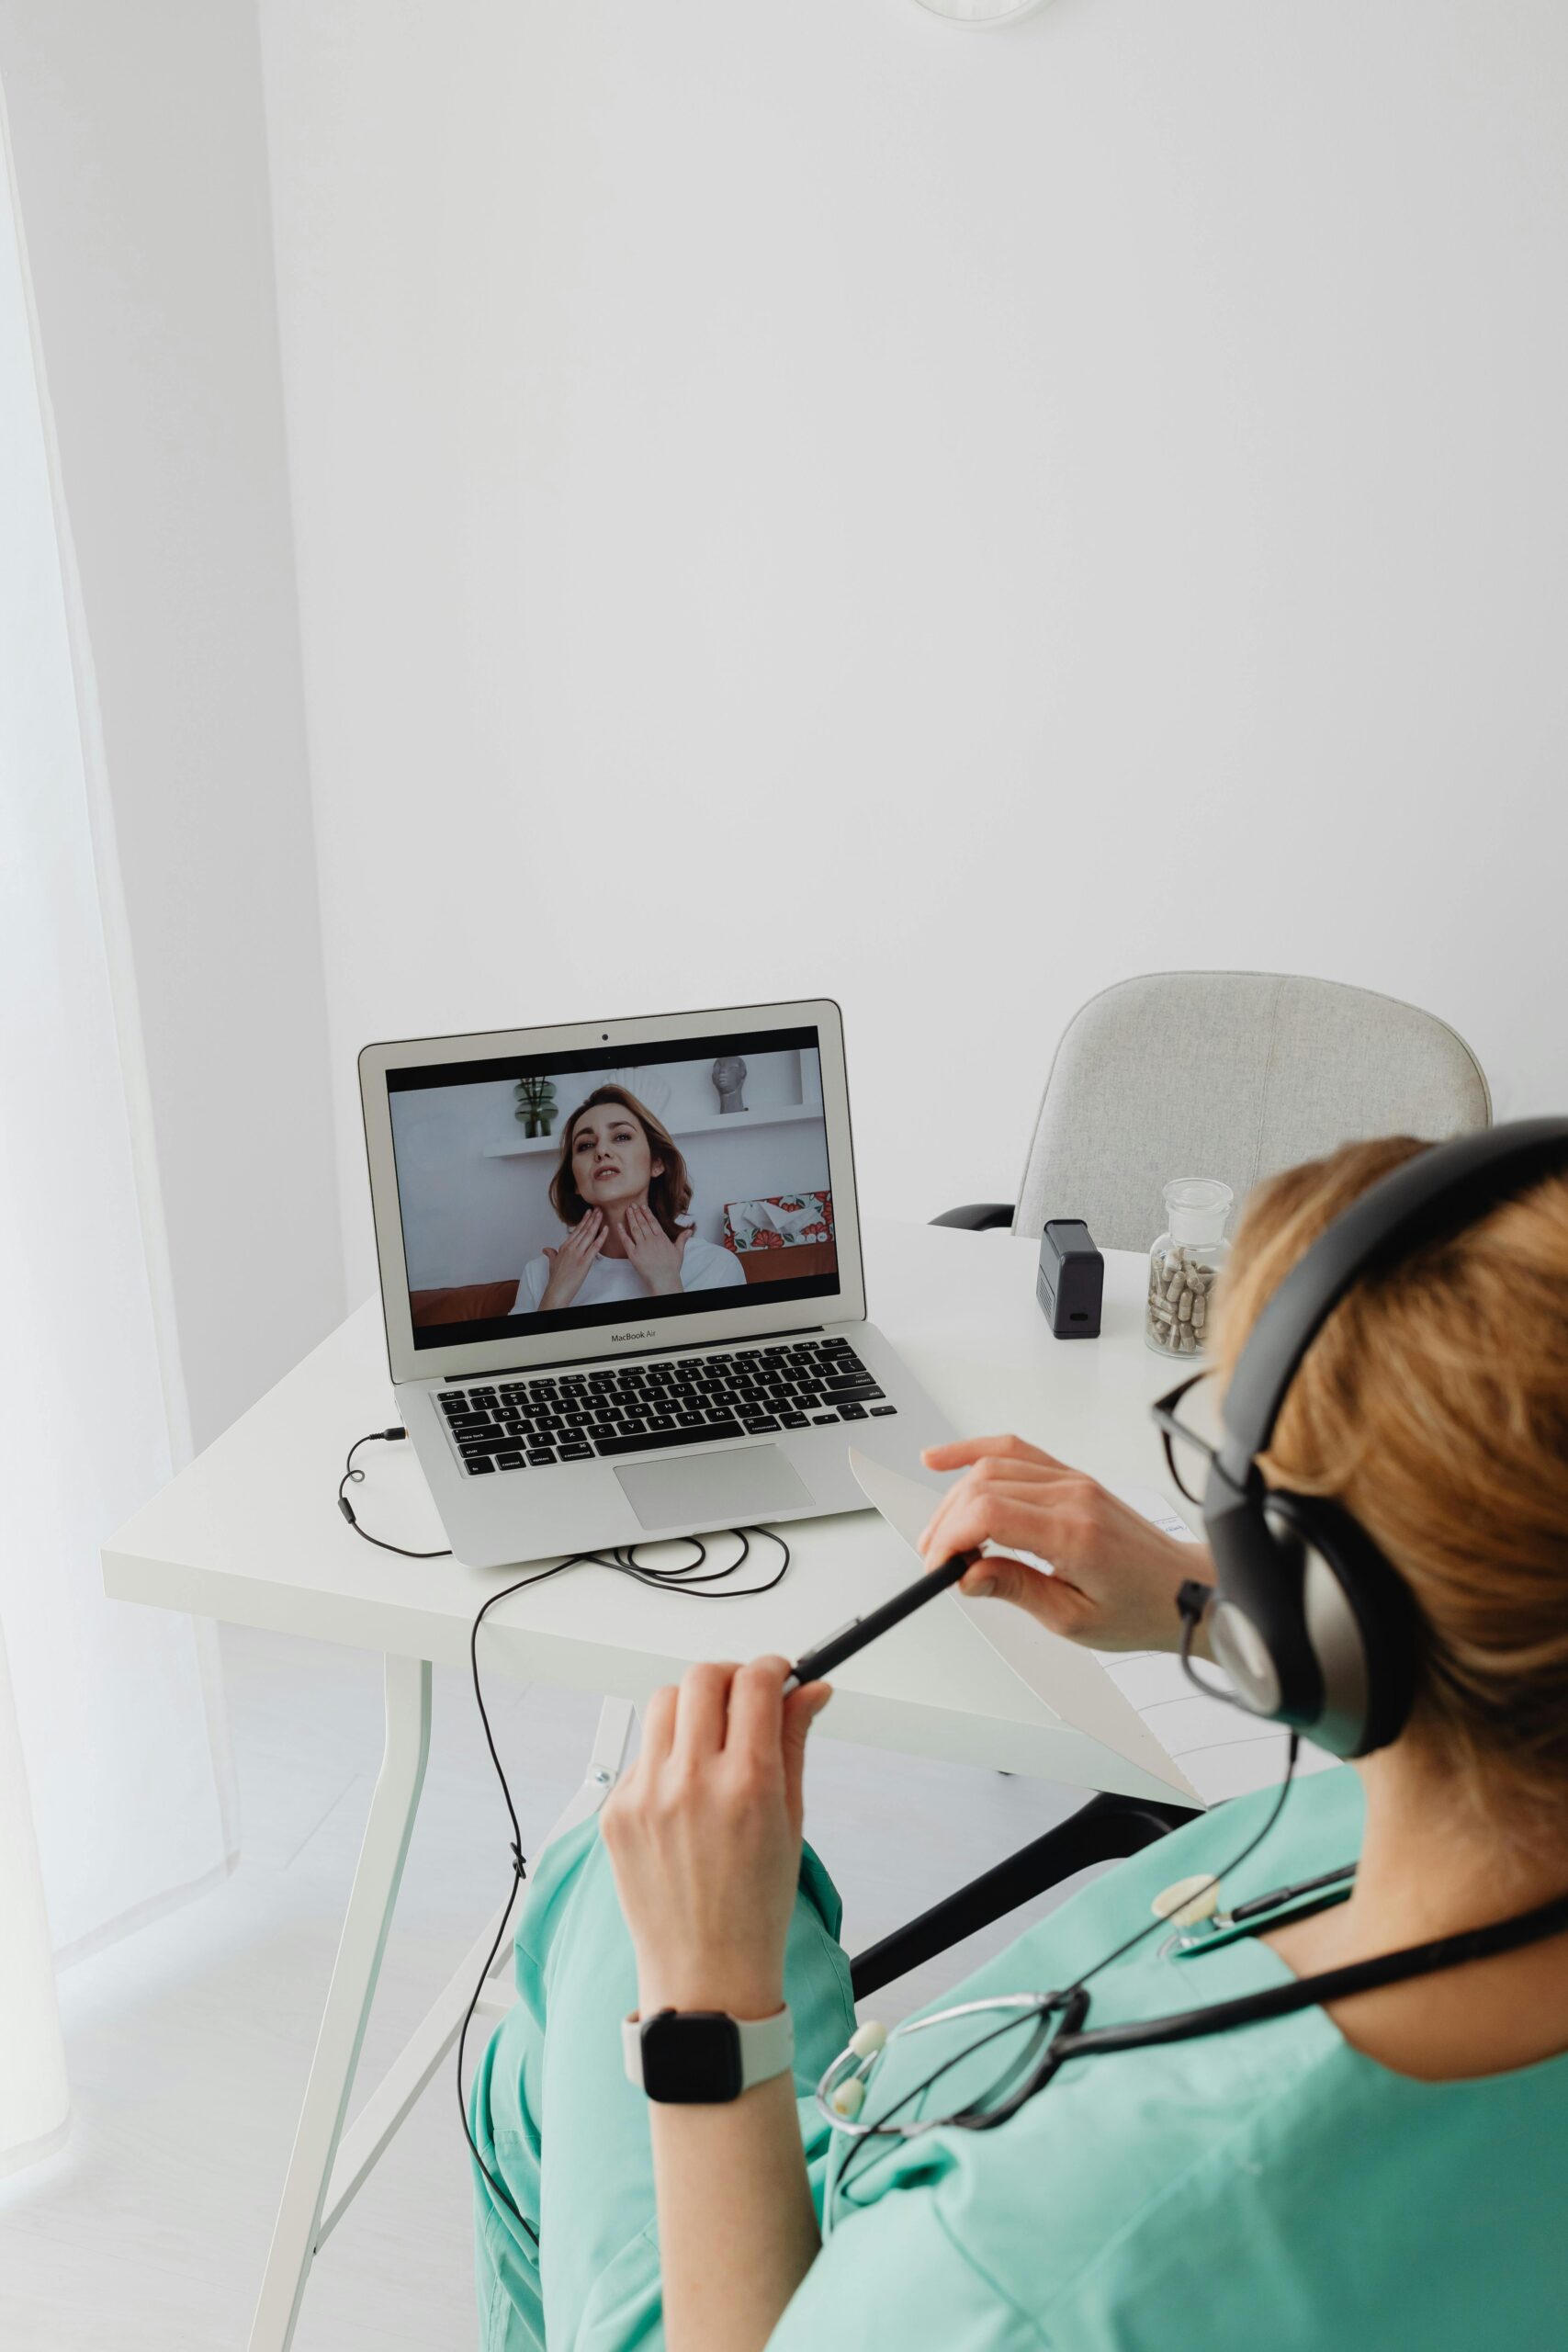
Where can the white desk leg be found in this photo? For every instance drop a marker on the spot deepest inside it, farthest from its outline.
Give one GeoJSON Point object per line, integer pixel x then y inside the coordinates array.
{"type": "Point", "coordinates": [383, 2113]}
{"type": "Point", "coordinates": [364, 1940]}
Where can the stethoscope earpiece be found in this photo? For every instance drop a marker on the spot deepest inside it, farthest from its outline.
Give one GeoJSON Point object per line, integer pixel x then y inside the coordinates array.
{"type": "Point", "coordinates": [865, 2045]}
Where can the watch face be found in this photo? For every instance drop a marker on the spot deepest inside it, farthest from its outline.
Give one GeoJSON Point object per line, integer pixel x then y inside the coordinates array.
{"type": "Point", "coordinates": [691, 2058]}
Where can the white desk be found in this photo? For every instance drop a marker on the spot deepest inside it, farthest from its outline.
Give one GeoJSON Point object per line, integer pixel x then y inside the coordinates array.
{"type": "Point", "coordinates": [249, 1533]}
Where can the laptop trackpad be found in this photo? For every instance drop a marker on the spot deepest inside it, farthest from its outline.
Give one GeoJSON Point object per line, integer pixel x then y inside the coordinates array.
{"type": "Point", "coordinates": [740, 1489]}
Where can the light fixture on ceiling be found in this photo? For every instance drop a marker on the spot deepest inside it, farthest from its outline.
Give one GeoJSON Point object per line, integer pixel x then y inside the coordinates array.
{"type": "Point", "coordinates": [981, 12]}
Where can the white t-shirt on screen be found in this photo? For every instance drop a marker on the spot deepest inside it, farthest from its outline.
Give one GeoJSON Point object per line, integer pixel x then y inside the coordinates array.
{"type": "Point", "coordinates": [704, 1267]}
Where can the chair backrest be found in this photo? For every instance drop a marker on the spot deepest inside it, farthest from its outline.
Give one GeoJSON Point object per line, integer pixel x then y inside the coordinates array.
{"type": "Point", "coordinates": [1235, 1075]}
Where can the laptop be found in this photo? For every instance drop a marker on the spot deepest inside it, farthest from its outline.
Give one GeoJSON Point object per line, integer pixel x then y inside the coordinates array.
{"type": "Point", "coordinates": [621, 1272]}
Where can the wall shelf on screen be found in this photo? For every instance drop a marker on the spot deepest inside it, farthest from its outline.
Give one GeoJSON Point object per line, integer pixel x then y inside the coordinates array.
{"type": "Point", "coordinates": [786, 1114]}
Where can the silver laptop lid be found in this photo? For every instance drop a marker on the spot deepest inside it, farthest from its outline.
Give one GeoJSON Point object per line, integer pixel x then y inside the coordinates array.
{"type": "Point", "coordinates": [547, 1195]}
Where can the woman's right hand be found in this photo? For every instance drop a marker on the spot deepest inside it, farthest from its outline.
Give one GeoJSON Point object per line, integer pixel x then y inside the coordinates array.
{"type": "Point", "coordinates": [569, 1264]}
{"type": "Point", "coordinates": [1116, 1576]}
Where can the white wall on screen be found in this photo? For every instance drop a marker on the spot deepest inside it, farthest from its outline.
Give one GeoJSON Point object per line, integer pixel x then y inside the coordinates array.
{"type": "Point", "coordinates": [476, 1208]}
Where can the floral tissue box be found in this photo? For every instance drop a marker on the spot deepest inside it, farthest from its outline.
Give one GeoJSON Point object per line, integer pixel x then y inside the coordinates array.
{"type": "Point", "coordinates": [778, 1224]}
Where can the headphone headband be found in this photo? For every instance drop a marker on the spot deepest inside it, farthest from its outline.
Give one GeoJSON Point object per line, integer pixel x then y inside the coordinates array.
{"type": "Point", "coordinates": [1439, 1191]}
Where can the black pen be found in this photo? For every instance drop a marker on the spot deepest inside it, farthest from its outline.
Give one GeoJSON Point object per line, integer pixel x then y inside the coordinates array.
{"type": "Point", "coordinates": [860, 1630]}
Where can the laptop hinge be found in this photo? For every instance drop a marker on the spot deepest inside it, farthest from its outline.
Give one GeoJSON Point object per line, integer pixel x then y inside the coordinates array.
{"type": "Point", "coordinates": [622, 1356]}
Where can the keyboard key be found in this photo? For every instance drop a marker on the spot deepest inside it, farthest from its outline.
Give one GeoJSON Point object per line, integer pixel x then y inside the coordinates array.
{"type": "Point", "coordinates": [684, 1436]}
{"type": "Point", "coordinates": [541, 1455]}
{"type": "Point", "coordinates": [509, 1462]}
{"type": "Point", "coordinates": [821, 1417]}
{"type": "Point", "coordinates": [661, 1421]}
{"type": "Point", "coordinates": [879, 1412]}
{"type": "Point", "coordinates": [478, 1463]}
{"type": "Point", "coordinates": [633, 1425]}
{"type": "Point", "coordinates": [473, 1446]}
{"type": "Point", "coordinates": [763, 1421]}
{"type": "Point", "coordinates": [575, 1452]}
{"type": "Point", "coordinates": [794, 1421]}
{"type": "Point", "coordinates": [852, 1412]}
{"type": "Point", "coordinates": [690, 1420]}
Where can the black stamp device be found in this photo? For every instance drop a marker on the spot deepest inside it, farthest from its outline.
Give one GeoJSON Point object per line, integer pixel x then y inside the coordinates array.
{"type": "Point", "coordinates": [1071, 1281]}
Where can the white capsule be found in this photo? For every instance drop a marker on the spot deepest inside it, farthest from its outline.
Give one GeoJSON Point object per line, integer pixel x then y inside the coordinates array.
{"type": "Point", "coordinates": [1190, 1900]}
{"type": "Point", "coordinates": [868, 2039]}
{"type": "Point", "coordinates": [848, 2100]}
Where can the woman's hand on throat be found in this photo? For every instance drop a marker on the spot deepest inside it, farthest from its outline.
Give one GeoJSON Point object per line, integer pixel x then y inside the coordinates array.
{"type": "Point", "coordinates": [658, 1260]}
{"type": "Point", "coordinates": [570, 1265]}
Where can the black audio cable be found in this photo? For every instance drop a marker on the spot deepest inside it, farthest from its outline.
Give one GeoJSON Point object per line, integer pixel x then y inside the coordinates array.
{"type": "Point", "coordinates": [694, 1577]}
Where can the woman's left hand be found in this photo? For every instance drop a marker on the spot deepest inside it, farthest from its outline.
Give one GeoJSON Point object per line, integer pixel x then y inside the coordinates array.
{"type": "Point", "coordinates": [656, 1259]}
{"type": "Point", "coordinates": [703, 1835]}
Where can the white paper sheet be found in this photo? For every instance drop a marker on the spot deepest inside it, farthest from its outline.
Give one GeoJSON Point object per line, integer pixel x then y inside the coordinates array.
{"type": "Point", "coordinates": [1069, 1681]}
{"type": "Point", "coordinates": [1138, 1703]}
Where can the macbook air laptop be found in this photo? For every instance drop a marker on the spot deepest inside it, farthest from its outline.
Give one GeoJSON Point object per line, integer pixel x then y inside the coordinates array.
{"type": "Point", "coordinates": [621, 1273]}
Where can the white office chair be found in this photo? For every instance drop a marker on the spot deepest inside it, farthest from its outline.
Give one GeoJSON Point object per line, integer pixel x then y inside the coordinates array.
{"type": "Point", "coordinates": [1228, 1074]}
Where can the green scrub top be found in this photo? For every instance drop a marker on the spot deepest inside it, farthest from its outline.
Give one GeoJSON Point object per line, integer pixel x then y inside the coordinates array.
{"type": "Point", "coordinates": [1268, 2189]}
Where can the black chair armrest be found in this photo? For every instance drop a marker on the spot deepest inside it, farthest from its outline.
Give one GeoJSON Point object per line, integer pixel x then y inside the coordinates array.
{"type": "Point", "coordinates": [1106, 1829]}
{"type": "Point", "coordinates": [977, 1216]}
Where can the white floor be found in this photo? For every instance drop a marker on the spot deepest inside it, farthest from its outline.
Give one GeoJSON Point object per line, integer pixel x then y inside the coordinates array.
{"type": "Point", "coordinates": [188, 2044]}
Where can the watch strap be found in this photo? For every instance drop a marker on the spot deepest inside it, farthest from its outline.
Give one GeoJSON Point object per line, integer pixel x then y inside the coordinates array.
{"type": "Point", "coordinates": [766, 2046]}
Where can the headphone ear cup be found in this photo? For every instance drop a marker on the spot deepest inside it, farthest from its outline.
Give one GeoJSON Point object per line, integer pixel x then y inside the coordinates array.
{"type": "Point", "coordinates": [1357, 1621]}
{"type": "Point", "coordinates": [1241, 1650]}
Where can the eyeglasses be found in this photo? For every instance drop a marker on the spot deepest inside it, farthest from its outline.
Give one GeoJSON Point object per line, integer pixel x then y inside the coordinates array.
{"type": "Point", "coordinates": [1189, 1456]}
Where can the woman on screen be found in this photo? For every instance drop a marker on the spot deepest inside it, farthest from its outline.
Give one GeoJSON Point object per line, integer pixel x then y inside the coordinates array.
{"type": "Point", "coordinates": [621, 1190]}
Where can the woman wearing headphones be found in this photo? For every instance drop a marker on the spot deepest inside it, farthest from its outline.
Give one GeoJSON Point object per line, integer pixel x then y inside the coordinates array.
{"type": "Point", "coordinates": [1377, 2157]}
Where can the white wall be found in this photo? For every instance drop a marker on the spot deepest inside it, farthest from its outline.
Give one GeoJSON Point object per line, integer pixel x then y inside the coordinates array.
{"type": "Point", "coordinates": [812, 499]}
{"type": "Point", "coordinates": [141, 168]}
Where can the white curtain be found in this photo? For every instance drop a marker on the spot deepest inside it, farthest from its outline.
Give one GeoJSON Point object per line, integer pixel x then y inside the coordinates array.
{"type": "Point", "coordinates": [116, 1786]}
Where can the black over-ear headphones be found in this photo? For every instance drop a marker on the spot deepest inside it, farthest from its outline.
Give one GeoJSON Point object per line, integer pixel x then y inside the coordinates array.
{"type": "Point", "coordinates": [1314, 1626]}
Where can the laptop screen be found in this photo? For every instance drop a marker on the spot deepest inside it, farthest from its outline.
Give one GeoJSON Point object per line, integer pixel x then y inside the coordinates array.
{"type": "Point", "coordinates": [574, 1189]}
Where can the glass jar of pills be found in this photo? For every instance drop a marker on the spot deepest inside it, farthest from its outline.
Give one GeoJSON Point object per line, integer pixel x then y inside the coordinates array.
{"type": "Point", "coordinates": [1185, 1263]}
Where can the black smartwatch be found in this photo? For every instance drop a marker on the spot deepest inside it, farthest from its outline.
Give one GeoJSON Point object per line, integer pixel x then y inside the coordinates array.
{"type": "Point", "coordinates": [702, 2058]}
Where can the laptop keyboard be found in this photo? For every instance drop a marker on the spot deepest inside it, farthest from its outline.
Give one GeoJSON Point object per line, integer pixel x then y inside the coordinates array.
{"type": "Point", "coordinates": [640, 1408]}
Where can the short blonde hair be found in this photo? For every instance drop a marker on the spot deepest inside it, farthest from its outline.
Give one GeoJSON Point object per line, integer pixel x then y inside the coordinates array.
{"type": "Point", "coordinates": [1434, 1405]}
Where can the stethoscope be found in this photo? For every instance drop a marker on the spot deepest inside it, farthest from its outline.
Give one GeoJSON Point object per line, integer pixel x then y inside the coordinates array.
{"type": "Point", "coordinates": [1062, 2030]}
{"type": "Point", "coordinates": [1201, 1924]}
